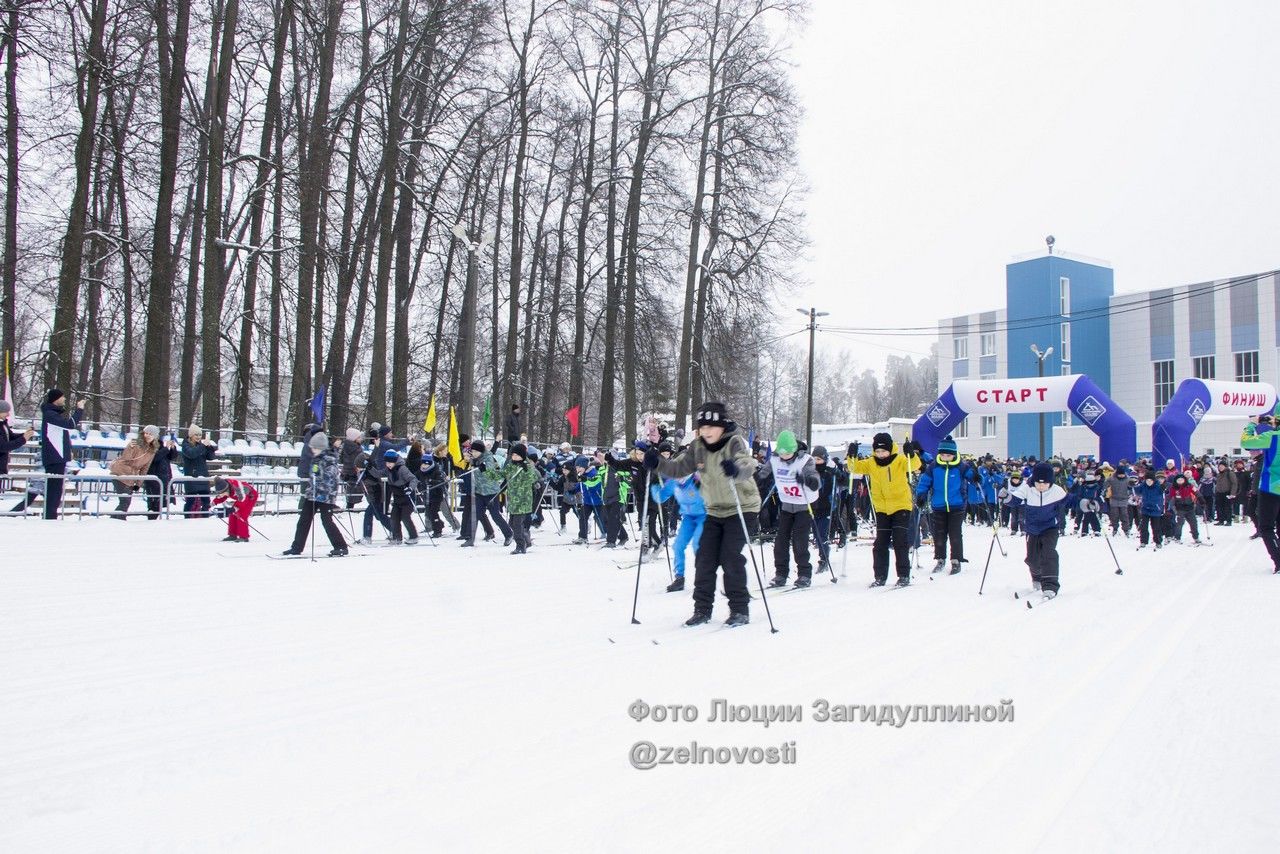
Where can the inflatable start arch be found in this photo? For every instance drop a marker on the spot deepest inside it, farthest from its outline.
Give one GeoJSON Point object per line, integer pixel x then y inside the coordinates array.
{"type": "Point", "coordinates": [1196, 400]}
{"type": "Point", "coordinates": [1116, 430]}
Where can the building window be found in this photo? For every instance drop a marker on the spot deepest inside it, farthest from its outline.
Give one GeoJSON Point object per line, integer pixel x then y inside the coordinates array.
{"type": "Point", "coordinates": [988, 426]}
{"type": "Point", "coordinates": [988, 343]}
{"type": "Point", "coordinates": [962, 430]}
{"type": "Point", "coordinates": [1247, 367]}
{"type": "Point", "coordinates": [1203, 368]}
{"type": "Point", "coordinates": [1066, 342]}
{"type": "Point", "coordinates": [1163, 384]}
{"type": "Point", "coordinates": [1064, 295]}
{"type": "Point", "coordinates": [961, 348]}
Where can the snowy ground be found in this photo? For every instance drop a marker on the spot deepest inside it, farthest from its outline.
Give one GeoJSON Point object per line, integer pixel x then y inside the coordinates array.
{"type": "Point", "coordinates": [157, 697]}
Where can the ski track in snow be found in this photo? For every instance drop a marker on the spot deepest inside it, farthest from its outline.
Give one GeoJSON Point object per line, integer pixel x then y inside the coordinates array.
{"type": "Point", "coordinates": [158, 698]}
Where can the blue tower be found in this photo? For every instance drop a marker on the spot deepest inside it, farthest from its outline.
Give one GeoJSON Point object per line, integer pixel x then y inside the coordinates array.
{"type": "Point", "coordinates": [1063, 303]}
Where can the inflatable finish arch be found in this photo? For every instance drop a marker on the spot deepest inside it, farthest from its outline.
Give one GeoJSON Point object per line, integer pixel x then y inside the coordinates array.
{"type": "Point", "coordinates": [1196, 400]}
{"type": "Point", "coordinates": [1116, 430]}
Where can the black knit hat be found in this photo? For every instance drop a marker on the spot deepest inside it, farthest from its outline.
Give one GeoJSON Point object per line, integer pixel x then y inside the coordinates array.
{"type": "Point", "coordinates": [53, 395]}
{"type": "Point", "coordinates": [882, 440]}
{"type": "Point", "coordinates": [477, 446]}
{"type": "Point", "coordinates": [519, 450]}
{"type": "Point", "coordinates": [712, 413]}
{"type": "Point", "coordinates": [384, 430]}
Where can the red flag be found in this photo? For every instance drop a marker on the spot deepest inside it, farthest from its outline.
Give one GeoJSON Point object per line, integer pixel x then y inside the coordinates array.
{"type": "Point", "coordinates": [572, 415]}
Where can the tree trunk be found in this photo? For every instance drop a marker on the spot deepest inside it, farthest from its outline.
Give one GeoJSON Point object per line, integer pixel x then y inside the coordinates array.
{"type": "Point", "coordinates": [211, 304]}
{"type": "Point", "coordinates": [314, 169]}
{"type": "Point", "coordinates": [386, 215]}
{"type": "Point", "coordinates": [58, 370]}
{"type": "Point", "coordinates": [604, 424]}
{"type": "Point", "coordinates": [9, 296]}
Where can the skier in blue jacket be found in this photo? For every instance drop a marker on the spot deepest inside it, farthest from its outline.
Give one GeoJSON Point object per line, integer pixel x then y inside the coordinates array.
{"type": "Point", "coordinates": [1046, 507]}
{"type": "Point", "coordinates": [693, 512]}
{"type": "Point", "coordinates": [1150, 510]}
{"type": "Point", "coordinates": [946, 480]}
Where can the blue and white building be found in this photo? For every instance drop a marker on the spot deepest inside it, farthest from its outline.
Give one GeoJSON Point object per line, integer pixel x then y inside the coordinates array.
{"type": "Point", "coordinates": [1136, 346]}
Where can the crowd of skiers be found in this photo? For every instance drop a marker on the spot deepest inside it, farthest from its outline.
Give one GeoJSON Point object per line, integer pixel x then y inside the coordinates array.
{"type": "Point", "coordinates": [714, 494]}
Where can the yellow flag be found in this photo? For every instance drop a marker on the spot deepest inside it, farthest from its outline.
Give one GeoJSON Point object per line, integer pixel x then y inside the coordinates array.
{"type": "Point", "coordinates": [430, 423]}
{"type": "Point", "coordinates": [455, 447]}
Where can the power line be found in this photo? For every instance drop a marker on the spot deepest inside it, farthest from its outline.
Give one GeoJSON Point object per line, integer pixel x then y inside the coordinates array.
{"type": "Point", "coordinates": [1032, 322]}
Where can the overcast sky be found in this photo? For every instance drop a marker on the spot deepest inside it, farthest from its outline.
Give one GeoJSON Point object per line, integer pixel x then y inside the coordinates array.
{"type": "Point", "coordinates": [942, 138]}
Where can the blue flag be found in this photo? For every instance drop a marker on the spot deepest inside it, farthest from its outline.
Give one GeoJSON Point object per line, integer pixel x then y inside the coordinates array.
{"type": "Point", "coordinates": [751, 438]}
{"type": "Point", "coordinates": [317, 405]}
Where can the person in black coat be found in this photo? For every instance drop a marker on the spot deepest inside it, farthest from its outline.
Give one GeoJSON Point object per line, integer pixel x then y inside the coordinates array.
{"type": "Point", "coordinates": [10, 440]}
{"type": "Point", "coordinates": [197, 450]}
{"type": "Point", "coordinates": [304, 459]}
{"type": "Point", "coordinates": [512, 426]}
{"type": "Point", "coordinates": [161, 467]}
{"type": "Point", "coordinates": [55, 445]}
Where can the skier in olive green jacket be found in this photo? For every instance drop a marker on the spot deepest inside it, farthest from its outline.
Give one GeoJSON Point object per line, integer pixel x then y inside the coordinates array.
{"type": "Point", "coordinates": [723, 460]}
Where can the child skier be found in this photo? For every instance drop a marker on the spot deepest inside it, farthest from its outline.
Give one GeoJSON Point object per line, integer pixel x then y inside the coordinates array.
{"type": "Point", "coordinates": [796, 479]}
{"type": "Point", "coordinates": [945, 481]}
{"type": "Point", "coordinates": [402, 483]}
{"type": "Point", "coordinates": [522, 478]}
{"type": "Point", "coordinates": [1090, 505]}
{"type": "Point", "coordinates": [1012, 507]}
{"type": "Point", "coordinates": [1116, 491]}
{"type": "Point", "coordinates": [1150, 496]}
{"type": "Point", "coordinates": [888, 473]}
{"type": "Point", "coordinates": [723, 459]}
{"type": "Point", "coordinates": [1183, 498]}
{"type": "Point", "coordinates": [242, 496]}
{"type": "Point", "coordinates": [322, 491]}
{"type": "Point", "coordinates": [693, 513]}
{"type": "Point", "coordinates": [1046, 505]}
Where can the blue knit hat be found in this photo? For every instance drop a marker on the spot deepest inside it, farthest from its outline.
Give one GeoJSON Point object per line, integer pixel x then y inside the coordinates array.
{"type": "Point", "coordinates": [581, 462]}
{"type": "Point", "coordinates": [948, 446]}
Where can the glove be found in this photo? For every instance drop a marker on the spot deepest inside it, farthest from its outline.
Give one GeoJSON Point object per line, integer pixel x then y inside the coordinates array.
{"type": "Point", "coordinates": [853, 449]}
{"type": "Point", "coordinates": [912, 448]}
{"type": "Point", "coordinates": [730, 468]}
{"type": "Point", "coordinates": [650, 457]}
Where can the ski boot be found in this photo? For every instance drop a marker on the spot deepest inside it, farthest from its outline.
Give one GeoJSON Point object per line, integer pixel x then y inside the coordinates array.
{"type": "Point", "coordinates": [903, 582]}
{"type": "Point", "coordinates": [940, 565]}
{"type": "Point", "coordinates": [876, 583]}
{"type": "Point", "coordinates": [677, 585]}
{"type": "Point", "coordinates": [341, 551]}
{"type": "Point", "coordinates": [802, 582]}
{"type": "Point", "coordinates": [778, 581]}
{"type": "Point", "coordinates": [290, 552]}
{"type": "Point", "coordinates": [737, 618]}
{"type": "Point", "coordinates": [508, 540]}
{"type": "Point", "coordinates": [955, 568]}
{"type": "Point", "coordinates": [699, 617]}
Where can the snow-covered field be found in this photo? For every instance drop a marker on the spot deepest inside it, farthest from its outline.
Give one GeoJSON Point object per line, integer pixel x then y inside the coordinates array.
{"type": "Point", "coordinates": [157, 697]}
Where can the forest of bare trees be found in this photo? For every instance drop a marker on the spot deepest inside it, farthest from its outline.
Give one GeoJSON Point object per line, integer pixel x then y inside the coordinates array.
{"type": "Point", "coordinates": [211, 210]}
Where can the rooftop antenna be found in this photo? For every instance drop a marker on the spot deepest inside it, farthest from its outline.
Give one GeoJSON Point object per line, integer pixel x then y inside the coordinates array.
{"type": "Point", "coordinates": [1049, 241]}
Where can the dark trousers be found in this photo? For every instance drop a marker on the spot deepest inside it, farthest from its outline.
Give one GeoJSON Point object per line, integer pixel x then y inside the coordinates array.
{"type": "Point", "coordinates": [487, 507]}
{"type": "Point", "coordinates": [1121, 517]}
{"type": "Point", "coordinates": [520, 529]}
{"type": "Point", "coordinates": [435, 497]}
{"type": "Point", "coordinates": [1150, 526]}
{"type": "Point", "coordinates": [305, 516]}
{"type": "Point", "coordinates": [892, 527]}
{"type": "Point", "coordinates": [1089, 521]}
{"type": "Point", "coordinates": [613, 522]}
{"type": "Point", "coordinates": [402, 517]}
{"type": "Point", "coordinates": [1189, 517]}
{"type": "Point", "coordinates": [470, 508]}
{"type": "Point", "coordinates": [53, 490]}
{"type": "Point", "coordinates": [722, 545]}
{"type": "Point", "coordinates": [375, 495]}
{"type": "Point", "coordinates": [1224, 509]}
{"type": "Point", "coordinates": [1268, 509]}
{"type": "Point", "coordinates": [793, 535]}
{"type": "Point", "coordinates": [947, 528]}
{"type": "Point", "coordinates": [1042, 558]}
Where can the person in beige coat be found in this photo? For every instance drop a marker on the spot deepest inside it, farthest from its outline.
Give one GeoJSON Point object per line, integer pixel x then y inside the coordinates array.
{"type": "Point", "coordinates": [134, 460]}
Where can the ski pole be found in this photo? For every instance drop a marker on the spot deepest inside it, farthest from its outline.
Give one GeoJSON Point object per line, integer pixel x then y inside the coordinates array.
{"type": "Point", "coordinates": [746, 535]}
{"type": "Point", "coordinates": [990, 551]}
{"type": "Point", "coordinates": [635, 598]}
{"type": "Point", "coordinates": [1107, 537]}
{"type": "Point", "coordinates": [822, 552]}
{"type": "Point", "coordinates": [666, 537]}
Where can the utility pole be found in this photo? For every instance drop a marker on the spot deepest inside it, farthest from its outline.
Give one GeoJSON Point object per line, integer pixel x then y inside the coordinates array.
{"type": "Point", "coordinates": [1040, 357]}
{"type": "Point", "coordinates": [814, 314]}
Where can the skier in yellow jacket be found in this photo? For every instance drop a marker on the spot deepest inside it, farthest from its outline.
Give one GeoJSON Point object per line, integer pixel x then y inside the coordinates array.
{"type": "Point", "coordinates": [888, 472]}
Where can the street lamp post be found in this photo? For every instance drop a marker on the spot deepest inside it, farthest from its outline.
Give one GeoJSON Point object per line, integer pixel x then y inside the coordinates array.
{"type": "Point", "coordinates": [467, 329]}
{"type": "Point", "coordinates": [814, 314]}
{"type": "Point", "coordinates": [1040, 357]}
